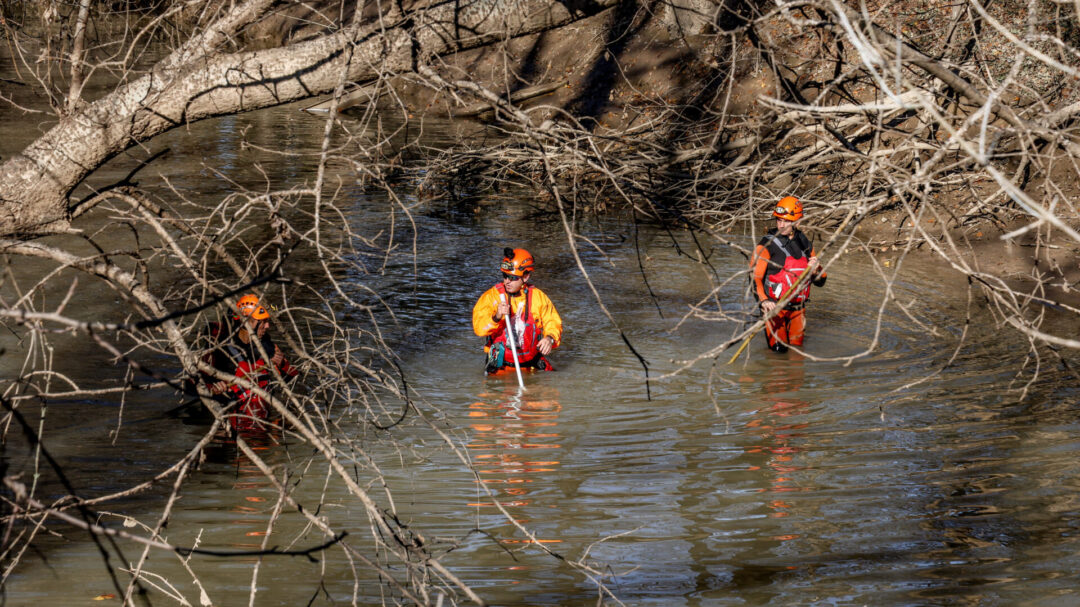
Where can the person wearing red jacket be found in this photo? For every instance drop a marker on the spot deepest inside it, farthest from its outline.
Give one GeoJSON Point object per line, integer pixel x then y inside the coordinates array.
{"type": "Point", "coordinates": [537, 325]}
{"type": "Point", "coordinates": [780, 259]}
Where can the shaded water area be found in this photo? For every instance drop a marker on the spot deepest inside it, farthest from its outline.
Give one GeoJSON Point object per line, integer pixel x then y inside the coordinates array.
{"type": "Point", "coordinates": [774, 480]}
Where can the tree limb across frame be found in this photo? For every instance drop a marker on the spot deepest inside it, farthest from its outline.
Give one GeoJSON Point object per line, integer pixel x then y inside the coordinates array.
{"type": "Point", "coordinates": [198, 81]}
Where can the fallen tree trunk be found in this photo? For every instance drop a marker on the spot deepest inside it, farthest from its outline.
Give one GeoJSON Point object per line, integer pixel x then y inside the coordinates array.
{"type": "Point", "coordinates": [197, 82]}
{"type": "Point", "coordinates": [517, 97]}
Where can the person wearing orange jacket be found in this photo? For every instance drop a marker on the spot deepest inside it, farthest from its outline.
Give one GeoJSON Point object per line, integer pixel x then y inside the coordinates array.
{"type": "Point", "coordinates": [537, 325]}
{"type": "Point", "coordinates": [780, 258]}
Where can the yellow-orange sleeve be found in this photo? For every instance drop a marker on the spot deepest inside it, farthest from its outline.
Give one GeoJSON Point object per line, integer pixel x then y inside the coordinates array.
{"type": "Point", "coordinates": [483, 313]}
{"type": "Point", "coordinates": [544, 311]}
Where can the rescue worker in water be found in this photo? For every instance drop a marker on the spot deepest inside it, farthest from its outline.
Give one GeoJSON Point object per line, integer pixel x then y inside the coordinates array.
{"type": "Point", "coordinates": [780, 258]}
{"type": "Point", "coordinates": [235, 352]}
{"type": "Point", "coordinates": [537, 325]}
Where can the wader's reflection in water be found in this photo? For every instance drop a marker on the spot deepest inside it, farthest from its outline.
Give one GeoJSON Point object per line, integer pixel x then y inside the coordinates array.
{"type": "Point", "coordinates": [253, 493]}
{"type": "Point", "coordinates": [515, 442]}
{"type": "Point", "coordinates": [775, 423]}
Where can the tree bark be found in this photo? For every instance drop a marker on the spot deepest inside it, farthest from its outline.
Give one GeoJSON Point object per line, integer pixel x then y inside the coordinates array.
{"type": "Point", "coordinates": [195, 83]}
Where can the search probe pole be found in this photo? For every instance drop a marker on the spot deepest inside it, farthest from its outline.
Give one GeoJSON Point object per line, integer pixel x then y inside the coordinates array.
{"type": "Point", "coordinates": [510, 338]}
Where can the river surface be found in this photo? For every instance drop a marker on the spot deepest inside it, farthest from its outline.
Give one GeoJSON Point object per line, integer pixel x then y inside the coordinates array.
{"type": "Point", "coordinates": [888, 479]}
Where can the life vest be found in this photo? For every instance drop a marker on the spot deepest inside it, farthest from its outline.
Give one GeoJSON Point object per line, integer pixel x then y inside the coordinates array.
{"type": "Point", "coordinates": [251, 404]}
{"type": "Point", "coordinates": [779, 283]}
{"type": "Point", "coordinates": [526, 331]}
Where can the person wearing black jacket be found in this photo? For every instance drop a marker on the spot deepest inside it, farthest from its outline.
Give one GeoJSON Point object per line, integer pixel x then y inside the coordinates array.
{"type": "Point", "coordinates": [235, 352]}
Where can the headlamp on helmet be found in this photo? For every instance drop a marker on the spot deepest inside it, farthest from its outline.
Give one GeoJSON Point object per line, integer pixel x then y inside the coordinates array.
{"type": "Point", "coordinates": [516, 262]}
{"type": "Point", "coordinates": [788, 208]}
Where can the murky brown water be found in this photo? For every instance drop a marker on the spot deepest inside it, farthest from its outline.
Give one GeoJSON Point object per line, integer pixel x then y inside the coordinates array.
{"type": "Point", "coordinates": [776, 480]}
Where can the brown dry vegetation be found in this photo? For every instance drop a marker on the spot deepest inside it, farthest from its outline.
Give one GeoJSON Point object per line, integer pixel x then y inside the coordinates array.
{"type": "Point", "coordinates": [729, 106]}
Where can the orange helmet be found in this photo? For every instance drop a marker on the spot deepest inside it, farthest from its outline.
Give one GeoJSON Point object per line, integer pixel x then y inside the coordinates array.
{"type": "Point", "coordinates": [249, 306]}
{"type": "Point", "coordinates": [516, 262]}
{"type": "Point", "coordinates": [788, 208]}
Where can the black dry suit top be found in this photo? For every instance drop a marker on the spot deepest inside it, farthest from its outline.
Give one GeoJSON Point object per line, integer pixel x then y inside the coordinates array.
{"type": "Point", "coordinates": [231, 350]}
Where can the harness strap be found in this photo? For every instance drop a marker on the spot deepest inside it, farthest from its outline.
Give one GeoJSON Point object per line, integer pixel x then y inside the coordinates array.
{"type": "Point", "coordinates": [526, 311]}
{"type": "Point", "coordinates": [235, 352]}
{"type": "Point", "coordinates": [783, 248]}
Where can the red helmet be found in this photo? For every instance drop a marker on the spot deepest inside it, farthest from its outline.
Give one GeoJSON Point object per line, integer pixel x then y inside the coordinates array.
{"type": "Point", "coordinates": [516, 261]}
{"type": "Point", "coordinates": [788, 208]}
{"type": "Point", "coordinates": [249, 306]}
